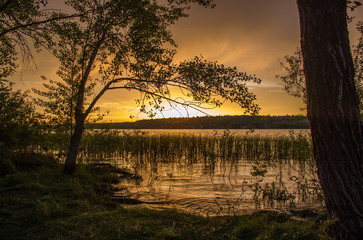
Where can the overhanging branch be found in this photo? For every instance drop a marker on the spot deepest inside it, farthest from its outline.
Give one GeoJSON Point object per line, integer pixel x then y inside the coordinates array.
{"type": "Point", "coordinates": [99, 95]}
{"type": "Point", "coordinates": [37, 23]}
{"type": "Point", "coordinates": [5, 5]}
{"type": "Point", "coordinates": [185, 104]}
{"type": "Point", "coordinates": [174, 82]}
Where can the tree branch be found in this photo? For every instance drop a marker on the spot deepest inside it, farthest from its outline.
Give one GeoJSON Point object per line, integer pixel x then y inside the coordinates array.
{"type": "Point", "coordinates": [164, 97]}
{"type": "Point", "coordinates": [99, 95]}
{"type": "Point", "coordinates": [107, 87]}
{"type": "Point", "coordinates": [37, 23]}
{"type": "Point", "coordinates": [82, 85]}
{"type": "Point", "coordinates": [6, 4]}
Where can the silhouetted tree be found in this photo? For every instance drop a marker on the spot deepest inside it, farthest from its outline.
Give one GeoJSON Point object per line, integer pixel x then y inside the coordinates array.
{"type": "Point", "coordinates": [17, 114]}
{"type": "Point", "coordinates": [129, 46]}
{"type": "Point", "coordinates": [333, 112]}
{"type": "Point", "coordinates": [24, 26]}
{"type": "Point", "coordinates": [294, 77]}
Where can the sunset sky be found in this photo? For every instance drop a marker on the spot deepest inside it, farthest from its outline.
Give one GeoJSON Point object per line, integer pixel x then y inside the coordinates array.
{"type": "Point", "coordinates": [252, 35]}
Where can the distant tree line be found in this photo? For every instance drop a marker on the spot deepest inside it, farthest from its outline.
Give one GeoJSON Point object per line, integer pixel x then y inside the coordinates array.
{"type": "Point", "coordinates": [214, 122]}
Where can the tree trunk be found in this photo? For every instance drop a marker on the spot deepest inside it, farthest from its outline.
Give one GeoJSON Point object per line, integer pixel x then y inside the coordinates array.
{"type": "Point", "coordinates": [333, 112]}
{"type": "Point", "coordinates": [70, 163]}
{"type": "Point", "coordinates": [80, 117]}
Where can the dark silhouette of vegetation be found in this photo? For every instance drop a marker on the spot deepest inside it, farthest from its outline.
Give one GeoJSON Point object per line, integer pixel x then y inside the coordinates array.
{"type": "Point", "coordinates": [25, 25]}
{"type": "Point", "coordinates": [42, 203]}
{"type": "Point", "coordinates": [212, 122]}
{"type": "Point", "coordinates": [333, 112]}
{"type": "Point", "coordinates": [294, 79]}
{"type": "Point", "coordinates": [20, 126]}
{"type": "Point", "coordinates": [129, 45]}
{"type": "Point", "coordinates": [22, 131]}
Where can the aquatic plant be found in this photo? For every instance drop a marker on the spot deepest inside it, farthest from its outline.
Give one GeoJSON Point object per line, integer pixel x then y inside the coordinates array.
{"type": "Point", "coordinates": [143, 147]}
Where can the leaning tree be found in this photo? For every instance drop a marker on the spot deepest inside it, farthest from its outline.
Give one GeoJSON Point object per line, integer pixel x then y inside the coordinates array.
{"type": "Point", "coordinates": [127, 45]}
{"type": "Point", "coordinates": [333, 112]}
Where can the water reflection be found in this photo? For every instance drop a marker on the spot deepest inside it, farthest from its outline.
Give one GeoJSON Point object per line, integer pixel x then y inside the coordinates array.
{"type": "Point", "coordinates": [212, 172]}
{"type": "Point", "coordinates": [226, 188]}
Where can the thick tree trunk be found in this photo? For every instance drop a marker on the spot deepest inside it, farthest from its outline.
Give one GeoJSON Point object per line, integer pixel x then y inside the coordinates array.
{"type": "Point", "coordinates": [70, 163]}
{"type": "Point", "coordinates": [333, 112]}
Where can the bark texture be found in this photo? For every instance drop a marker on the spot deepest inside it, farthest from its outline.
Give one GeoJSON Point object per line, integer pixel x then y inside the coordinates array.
{"type": "Point", "coordinates": [70, 163]}
{"type": "Point", "coordinates": [333, 112]}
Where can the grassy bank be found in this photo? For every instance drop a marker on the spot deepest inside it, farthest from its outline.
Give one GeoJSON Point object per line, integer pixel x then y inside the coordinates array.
{"type": "Point", "coordinates": [39, 202]}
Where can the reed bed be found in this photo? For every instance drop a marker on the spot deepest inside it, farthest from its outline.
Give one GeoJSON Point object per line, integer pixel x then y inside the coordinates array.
{"type": "Point", "coordinates": [141, 147]}
{"type": "Point", "coordinates": [137, 149]}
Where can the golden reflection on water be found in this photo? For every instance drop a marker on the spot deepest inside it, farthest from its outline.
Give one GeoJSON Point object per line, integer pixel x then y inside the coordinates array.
{"type": "Point", "coordinates": [224, 187]}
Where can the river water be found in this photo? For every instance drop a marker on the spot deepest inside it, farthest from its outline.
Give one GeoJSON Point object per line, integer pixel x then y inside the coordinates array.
{"type": "Point", "coordinates": [224, 188]}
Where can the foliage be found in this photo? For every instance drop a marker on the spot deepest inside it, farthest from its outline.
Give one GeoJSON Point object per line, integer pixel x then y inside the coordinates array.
{"type": "Point", "coordinates": [128, 45]}
{"type": "Point", "coordinates": [125, 43]}
{"type": "Point", "coordinates": [20, 125]}
{"type": "Point", "coordinates": [294, 79]}
{"type": "Point", "coordinates": [58, 101]}
{"type": "Point", "coordinates": [353, 4]}
{"type": "Point", "coordinates": [14, 14]}
{"type": "Point", "coordinates": [7, 60]}
{"type": "Point", "coordinates": [358, 64]}
{"type": "Point", "coordinates": [25, 24]}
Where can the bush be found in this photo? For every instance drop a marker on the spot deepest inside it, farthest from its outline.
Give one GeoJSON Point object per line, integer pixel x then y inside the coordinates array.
{"type": "Point", "coordinates": [20, 124]}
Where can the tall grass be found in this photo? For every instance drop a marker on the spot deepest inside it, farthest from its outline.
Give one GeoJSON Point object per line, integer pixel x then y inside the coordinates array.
{"type": "Point", "coordinates": [142, 147]}
{"type": "Point", "coordinates": [215, 152]}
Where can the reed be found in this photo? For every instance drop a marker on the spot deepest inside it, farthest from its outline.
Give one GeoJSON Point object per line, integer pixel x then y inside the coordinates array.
{"type": "Point", "coordinates": [141, 147]}
{"type": "Point", "coordinates": [138, 149]}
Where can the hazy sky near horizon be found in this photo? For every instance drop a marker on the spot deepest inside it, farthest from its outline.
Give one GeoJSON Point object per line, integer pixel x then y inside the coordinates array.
{"type": "Point", "coordinates": [249, 34]}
